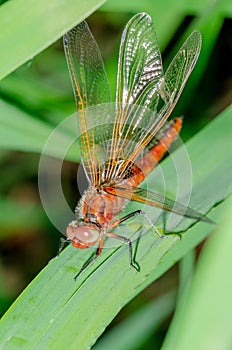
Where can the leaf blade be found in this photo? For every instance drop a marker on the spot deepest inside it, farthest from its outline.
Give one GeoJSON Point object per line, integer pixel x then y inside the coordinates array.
{"type": "Point", "coordinates": [36, 36]}
{"type": "Point", "coordinates": [71, 309]}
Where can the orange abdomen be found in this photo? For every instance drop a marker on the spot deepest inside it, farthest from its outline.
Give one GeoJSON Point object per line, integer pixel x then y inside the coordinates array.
{"type": "Point", "coordinates": [146, 164]}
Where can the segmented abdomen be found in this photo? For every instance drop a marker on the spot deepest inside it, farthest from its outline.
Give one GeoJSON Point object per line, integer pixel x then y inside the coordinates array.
{"type": "Point", "coordinates": [146, 164]}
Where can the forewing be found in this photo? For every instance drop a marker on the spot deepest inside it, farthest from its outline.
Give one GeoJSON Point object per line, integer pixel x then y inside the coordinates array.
{"type": "Point", "coordinates": [156, 200]}
{"type": "Point", "coordinates": [90, 86]}
{"type": "Point", "coordinates": [171, 87]}
{"type": "Point", "coordinates": [146, 97]}
{"type": "Point", "coordinates": [140, 65]}
{"type": "Point", "coordinates": [139, 73]}
{"type": "Point", "coordinates": [177, 74]}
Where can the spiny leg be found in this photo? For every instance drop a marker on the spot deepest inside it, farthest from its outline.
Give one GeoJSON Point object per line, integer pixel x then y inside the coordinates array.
{"type": "Point", "coordinates": [96, 255]}
{"type": "Point", "coordinates": [128, 241]}
{"type": "Point", "coordinates": [62, 244]}
{"type": "Point", "coordinates": [122, 238]}
{"type": "Point", "coordinates": [140, 212]}
{"type": "Point", "coordinates": [63, 241]}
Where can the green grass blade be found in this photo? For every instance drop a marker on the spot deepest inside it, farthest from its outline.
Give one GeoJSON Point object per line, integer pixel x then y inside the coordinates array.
{"type": "Point", "coordinates": [132, 333]}
{"type": "Point", "coordinates": [21, 132]}
{"type": "Point", "coordinates": [57, 312]}
{"type": "Point", "coordinates": [186, 269]}
{"type": "Point", "coordinates": [203, 319]}
{"type": "Point", "coordinates": [29, 26]}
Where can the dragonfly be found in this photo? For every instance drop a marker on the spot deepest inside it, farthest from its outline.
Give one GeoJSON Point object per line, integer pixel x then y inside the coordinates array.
{"type": "Point", "coordinates": [122, 142]}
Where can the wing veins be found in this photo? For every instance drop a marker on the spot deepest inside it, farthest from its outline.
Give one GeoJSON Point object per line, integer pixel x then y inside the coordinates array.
{"type": "Point", "coordinates": [155, 199]}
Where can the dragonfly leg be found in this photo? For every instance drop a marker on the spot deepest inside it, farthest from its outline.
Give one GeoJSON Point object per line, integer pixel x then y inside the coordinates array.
{"type": "Point", "coordinates": [140, 212]}
{"type": "Point", "coordinates": [93, 258]}
{"type": "Point", "coordinates": [128, 241]}
{"type": "Point", "coordinates": [62, 244]}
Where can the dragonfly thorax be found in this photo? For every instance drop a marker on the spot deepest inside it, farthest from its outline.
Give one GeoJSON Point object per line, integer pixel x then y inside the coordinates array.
{"type": "Point", "coordinates": [97, 207]}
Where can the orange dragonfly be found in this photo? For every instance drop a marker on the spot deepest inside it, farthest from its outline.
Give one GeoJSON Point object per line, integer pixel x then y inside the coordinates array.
{"type": "Point", "coordinates": [122, 142]}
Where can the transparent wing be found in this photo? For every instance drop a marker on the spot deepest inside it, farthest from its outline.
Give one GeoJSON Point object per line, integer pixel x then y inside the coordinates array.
{"type": "Point", "coordinates": [90, 86]}
{"type": "Point", "coordinates": [140, 65]}
{"type": "Point", "coordinates": [113, 136]}
{"type": "Point", "coordinates": [156, 200]}
{"type": "Point", "coordinates": [139, 73]}
{"type": "Point", "coordinates": [145, 96]}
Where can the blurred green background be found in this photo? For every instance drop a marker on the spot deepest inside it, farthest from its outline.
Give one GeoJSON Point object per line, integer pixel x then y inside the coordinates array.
{"type": "Point", "coordinates": [38, 96]}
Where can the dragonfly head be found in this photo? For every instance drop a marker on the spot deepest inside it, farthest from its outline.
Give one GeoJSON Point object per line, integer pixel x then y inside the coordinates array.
{"type": "Point", "coordinates": [82, 236]}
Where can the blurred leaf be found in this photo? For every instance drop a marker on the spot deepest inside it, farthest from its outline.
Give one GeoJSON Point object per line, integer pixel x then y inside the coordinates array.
{"type": "Point", "coordinates": [209, 24]}
{"type": "Point", "coordinates": [72, 314]}
{"type": "Point", "coordinates": [204, 317]}
{"type": "Point", "coordinates": [41, 23]}
{"type": "Point", "coordinates": [161, 7]}
{"type": "Point", "coordinates": [34, 95]}
{"type": "Point", "coordinates": [186, 269]}
{"type": "Point", "coordinates": [168, 14]}
{"type": "Point", "coordinates": [19, 216]}
{"type": "Point", "coordinates": [20, 131]}
{"type": "Point", "coordinates": [132, 333]}
{"type": "Point", "coordinates": [157, 10]}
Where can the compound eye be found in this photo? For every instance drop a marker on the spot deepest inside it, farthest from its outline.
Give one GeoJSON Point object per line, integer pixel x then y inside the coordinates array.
{"type": "Point", "coordinates": [82, 236]}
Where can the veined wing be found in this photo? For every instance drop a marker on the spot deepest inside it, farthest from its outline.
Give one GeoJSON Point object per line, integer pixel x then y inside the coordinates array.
{"type": "Point", "coordinates": [90, 86]}
{"type": "Point", "coordinates": [140, 71]}
{"type": "Point", "coordinates": [142, 87]}
{"type": "Point", "coordinates": [156, 200]}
